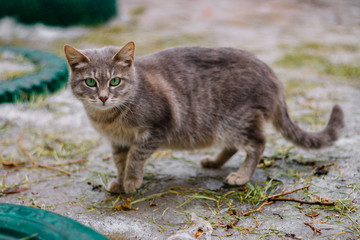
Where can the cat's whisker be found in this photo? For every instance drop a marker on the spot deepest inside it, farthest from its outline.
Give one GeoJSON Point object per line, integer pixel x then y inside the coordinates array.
{"type": "Point", "coordinates": [119, 107]}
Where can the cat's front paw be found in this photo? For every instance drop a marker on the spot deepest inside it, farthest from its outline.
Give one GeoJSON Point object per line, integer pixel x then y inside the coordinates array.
{"type": "Point", "coordinates": [236, 179]}
{"type": "Point", "coordinates": [115, 187]}
{"type": "Point", "coordinates": [209, 163]}
{"type": "Point", "coordinates": [131, 184]}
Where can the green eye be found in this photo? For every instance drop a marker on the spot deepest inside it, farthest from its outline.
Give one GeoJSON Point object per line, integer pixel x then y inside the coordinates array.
{"type": "Point", "coordinates": [90, 82]}
{"type": "Point", "coordinates": [115, 81]}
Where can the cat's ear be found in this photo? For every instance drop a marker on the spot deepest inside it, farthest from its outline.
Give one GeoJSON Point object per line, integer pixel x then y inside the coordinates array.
{"type": "Point", "coordinates": [74, 57]}
{"type": "Point", "coordinates": [125, 55]}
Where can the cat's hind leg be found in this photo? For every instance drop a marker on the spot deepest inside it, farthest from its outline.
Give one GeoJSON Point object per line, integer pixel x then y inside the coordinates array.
{"type": "Point", "coordinates": [252, 140]}
{"type": "Point", "coordinates": [254, 152]}
{"type": "Point", "coordinates": [119, 157]}
{"type": "Point", "coordinates": [220, 159]}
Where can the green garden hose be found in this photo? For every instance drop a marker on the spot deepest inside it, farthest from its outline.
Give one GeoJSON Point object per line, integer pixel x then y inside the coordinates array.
{"type": "Point", "coordinates": [21, 222]}
{"type": "Point", "coordinates": [59, 12]}
{"type": "Point", "coordinates": [51, 76]}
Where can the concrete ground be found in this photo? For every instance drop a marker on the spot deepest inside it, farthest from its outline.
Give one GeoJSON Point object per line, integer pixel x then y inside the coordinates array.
{"type": "Point", "coordinates": [314, 48]}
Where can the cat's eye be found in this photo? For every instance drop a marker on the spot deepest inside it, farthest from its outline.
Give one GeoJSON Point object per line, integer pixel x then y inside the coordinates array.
{"type": "Point", "coordinates": [115, 81]}
{"type": "Point", "coordinates": [90, 82]}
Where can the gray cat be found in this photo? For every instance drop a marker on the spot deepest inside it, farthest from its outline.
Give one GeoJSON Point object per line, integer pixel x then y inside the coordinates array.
{"type": "Point", "coordinates": [185, 98]}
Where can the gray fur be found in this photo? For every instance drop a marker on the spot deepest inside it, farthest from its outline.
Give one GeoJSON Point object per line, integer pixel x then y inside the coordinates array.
{"type": "Point", "coordinates": [186, 98]}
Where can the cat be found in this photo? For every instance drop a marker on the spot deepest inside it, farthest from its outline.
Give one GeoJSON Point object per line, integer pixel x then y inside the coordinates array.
{"type": "Point", "coordinates": [185, 98]}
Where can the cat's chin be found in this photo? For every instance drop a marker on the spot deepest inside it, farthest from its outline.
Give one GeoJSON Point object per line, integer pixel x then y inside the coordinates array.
{"type": "Point", "coordinates": [102, 107]}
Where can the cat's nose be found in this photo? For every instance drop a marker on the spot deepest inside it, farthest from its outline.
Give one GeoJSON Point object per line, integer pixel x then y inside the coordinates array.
{"type": "Point", "coordinates": [103, 98]}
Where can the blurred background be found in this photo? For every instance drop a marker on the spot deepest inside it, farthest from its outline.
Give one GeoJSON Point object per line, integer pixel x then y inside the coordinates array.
{"type": "Point", "coordinates": [260, 26]}
{"type": "Point", "coordinates": [312, 45]}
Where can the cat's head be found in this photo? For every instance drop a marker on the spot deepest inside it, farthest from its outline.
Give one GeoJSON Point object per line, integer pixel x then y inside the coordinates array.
{"type": "Point", "coordinates": [102, 78]}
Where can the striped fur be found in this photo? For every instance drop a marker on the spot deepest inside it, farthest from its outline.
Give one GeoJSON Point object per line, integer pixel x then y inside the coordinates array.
{"type": "Point", "coordinates": [186, 98]}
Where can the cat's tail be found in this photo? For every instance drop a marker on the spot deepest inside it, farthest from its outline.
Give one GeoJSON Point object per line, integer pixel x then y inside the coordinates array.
{"type": "Point", "coordinates": [309, 140]}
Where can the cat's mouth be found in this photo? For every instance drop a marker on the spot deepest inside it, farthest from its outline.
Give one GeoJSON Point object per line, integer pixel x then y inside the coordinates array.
{"type": "Point", "coordinates": [99, 105]}
{"type": "Point", "coordinates": [105, 106]}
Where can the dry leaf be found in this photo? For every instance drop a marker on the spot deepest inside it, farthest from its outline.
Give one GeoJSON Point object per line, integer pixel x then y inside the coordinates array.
{"type": "Point", "coordinates": [14, 190]}
{"type": "Point", "coordinates": [14, 163]}
{"type": "Point", "coordinates": [199, 233]}
{"type": "Point", "coordinates": [125, 206]}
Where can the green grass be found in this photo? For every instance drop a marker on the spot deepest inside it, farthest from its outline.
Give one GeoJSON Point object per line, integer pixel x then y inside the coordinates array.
{"type": "Point", "coordinates": [298, 86]}
{"type": "Point", "coordinates": [312, 59]}
{"type": "Point", "coordinates": [327, 47]}
{"type": "Point", "coordinates": [321, 47]}
{"type": "Point", "coordinates": [320, 64]}
{"type": "Point", "coordinates": [315, 118]}
{"type": "Point", "coordinates": [138, 10]}
{"type": "Point", "coordinates": [299, 59]}
{"type": "Point", "coordinates": [312, 56]}
{"type": "Point", "coordinates": [216, 206]}
{"type": "Point", "coordinates": [347, 71]}
{"type": "Point", "coordinates": [46, 147]}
